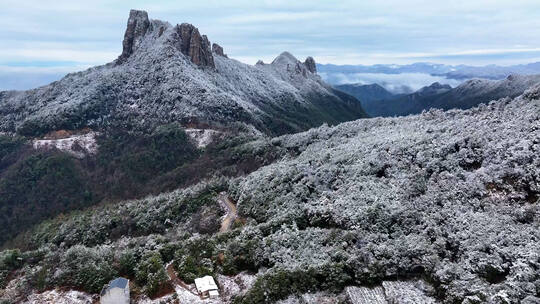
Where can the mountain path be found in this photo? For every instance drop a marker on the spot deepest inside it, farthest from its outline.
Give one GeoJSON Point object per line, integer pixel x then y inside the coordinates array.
{"type": "Point", "coordinates": [232, 212]}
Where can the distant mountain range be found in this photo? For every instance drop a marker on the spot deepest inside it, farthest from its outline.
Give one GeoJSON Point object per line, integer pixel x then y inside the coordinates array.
{"type": "Point", "coordinates": [377, 101]}
{"type": "Point", "coordinates": [458, 72]}
{"type": "Point", "coordinates": [172, 73]}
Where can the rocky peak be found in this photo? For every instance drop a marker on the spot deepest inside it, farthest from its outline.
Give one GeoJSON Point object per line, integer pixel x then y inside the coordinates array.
{"type": "Point", "coordinates": [288, 62]}
{"type": "Point", "coordinates": [310, 65]}
{"type": "Point", "coordinates": [194, 46]}
{"type": "Point", "coordinates": [285, 58]}
{"type": "Point", "coordinates": [137, 26]}
{"type": "Point", "coordinates": [216, 48]}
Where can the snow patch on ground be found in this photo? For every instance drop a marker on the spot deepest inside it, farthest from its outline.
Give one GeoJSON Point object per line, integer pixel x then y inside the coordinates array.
{"type": "Point", "coordinates": [180, 294]}
{"type": "Point", "coordinates": [234, 286]}
{"type": "Point", "coordinates": [390, 292]}
{"type": "Point", "coordinates": [77, 145]}
{"type": "Point", "coordinates": [313, 298]}
{"type": "Point", "coordinates": [364, 295]}
{"type": "Point", "coordinates": [59, 297]}
{"type": "Point", "coordinates": [13, 290]}
{"type": "Point", "coordinates": [202, 137]}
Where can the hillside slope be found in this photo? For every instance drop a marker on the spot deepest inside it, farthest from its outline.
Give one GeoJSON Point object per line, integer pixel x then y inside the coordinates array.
{"type": "Point", "coordinates": [368, 94]}
{"type": "Point", "coordinates": [447, 198]}
{"type": "Point", "coordinates": [170, 74]}
{"type": "Point", "coordinates": [476, 91]}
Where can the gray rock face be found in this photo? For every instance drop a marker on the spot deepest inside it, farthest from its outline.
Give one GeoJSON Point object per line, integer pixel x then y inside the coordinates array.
{"type": "Point", "coordinates": [286, 61]}
{"type": "Point", "coordinates": [310, 65]}
{"type": "Point", "coordinates": [216, 48]}
{"type": "Point", "coordinates": [137, 26]}
{"type": "Point", "coordinates": [195, 46]}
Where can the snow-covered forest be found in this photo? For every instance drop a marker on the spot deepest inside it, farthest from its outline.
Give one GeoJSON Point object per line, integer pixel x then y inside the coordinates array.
{"type": "Point", "coordinates": [449, 199]}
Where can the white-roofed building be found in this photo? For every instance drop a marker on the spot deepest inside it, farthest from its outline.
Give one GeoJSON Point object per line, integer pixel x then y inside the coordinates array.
{"type": "Point", "coordinates": [206, 287]}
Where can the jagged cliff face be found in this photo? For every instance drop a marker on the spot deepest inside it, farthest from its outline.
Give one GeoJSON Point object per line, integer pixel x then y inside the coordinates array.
{"type": "Point", "coordinates": [193, 45]}
{"type": "Point", "coordinates": [216, 48]}
{"type": "Point", "coordinates": [137, 26]}
{"type": "Point", "coordinates": [310, 64]}
{"type": "Point", "coordinates": [187, 39]}
{"type": "Point", "coordinates": [170, 73]}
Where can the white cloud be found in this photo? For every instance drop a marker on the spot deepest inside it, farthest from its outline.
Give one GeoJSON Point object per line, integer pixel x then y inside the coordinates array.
{"type": "Point", "coordinates": [396, 83]}
{"type": "Point", "coordinates": [57, 70]}
{"type": "Point", "coordinates": [82, 56]}
{"type": "Point", "coordinates": [272, 17]}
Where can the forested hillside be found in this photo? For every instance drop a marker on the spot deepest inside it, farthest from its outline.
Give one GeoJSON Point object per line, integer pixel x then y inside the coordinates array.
{"type": "Point", "coordinates": [446, 198]}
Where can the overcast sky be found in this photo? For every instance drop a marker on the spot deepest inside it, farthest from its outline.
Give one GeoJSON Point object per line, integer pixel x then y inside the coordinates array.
{"type": "Point", "coordinates": [40, 39]}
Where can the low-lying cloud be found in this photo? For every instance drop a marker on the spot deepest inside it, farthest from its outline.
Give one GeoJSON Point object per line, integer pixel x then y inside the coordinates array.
{"type": "Point", "coordinates": [395, 83]}
{"type": "Point", "coordinates": [24, 78]}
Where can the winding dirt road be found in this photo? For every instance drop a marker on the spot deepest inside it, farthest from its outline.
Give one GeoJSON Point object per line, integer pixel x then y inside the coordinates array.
{"type": "Point", "coordinates": [232, 213]}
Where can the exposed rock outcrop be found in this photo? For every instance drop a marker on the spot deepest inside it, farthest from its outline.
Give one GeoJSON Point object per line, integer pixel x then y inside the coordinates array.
{"type": "Point", "coordinates": [310, 65]}
{"type": "Point", "coordinates": [195, 46]}
{"type": "Point", "coordinates": [216, 48]}
{"type": "Point", "coordinates": [288, 62]}
{"type": "Point", "coordinates": [137, 26]}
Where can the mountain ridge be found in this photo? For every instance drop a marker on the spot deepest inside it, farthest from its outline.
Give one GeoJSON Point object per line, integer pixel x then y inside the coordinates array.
{"type": "Point", "coordinates": [469, 94]}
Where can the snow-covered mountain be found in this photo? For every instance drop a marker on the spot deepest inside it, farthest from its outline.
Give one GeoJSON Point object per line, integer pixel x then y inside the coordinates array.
{"type": "Point", "coordinates": [476, 91]}
{"type": "Point", "coordinates": [492, 71]}
{"type": "Point", "coordinates": [469, 94]}
{"type": "Point", "coordinates": [170, 73]}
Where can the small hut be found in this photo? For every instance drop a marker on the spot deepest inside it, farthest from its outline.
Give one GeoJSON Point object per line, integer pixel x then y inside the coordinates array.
{"type": "Point", "coordinates": [206, 287]}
